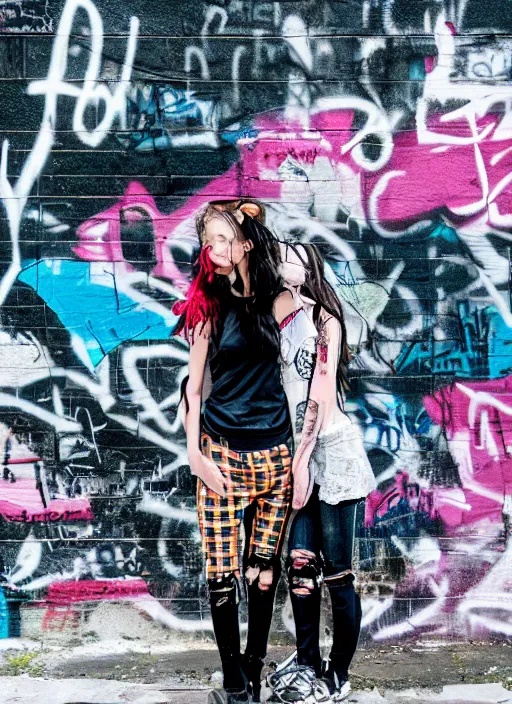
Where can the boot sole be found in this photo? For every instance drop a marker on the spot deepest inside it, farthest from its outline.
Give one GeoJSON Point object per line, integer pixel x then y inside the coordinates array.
{"type": "Point", "coordinates": [342, 694]}
{"type": "Point", "coordinates": [215, 696]}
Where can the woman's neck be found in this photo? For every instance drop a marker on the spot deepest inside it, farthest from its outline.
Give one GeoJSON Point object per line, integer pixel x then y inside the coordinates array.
{"type": "Point", "coordinates": [245, 279]}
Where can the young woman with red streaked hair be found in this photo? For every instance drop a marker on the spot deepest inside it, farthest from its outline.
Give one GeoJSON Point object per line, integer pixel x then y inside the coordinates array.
{"type": "Point", "coordinates": [238, 439]}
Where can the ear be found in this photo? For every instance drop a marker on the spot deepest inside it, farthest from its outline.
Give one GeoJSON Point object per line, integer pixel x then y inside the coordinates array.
{"type": "Point", "coordinates": [251, 209]}
{"type": "Point", "coordinates": [248, 245]}
{"type": "Point", "coordinates": [239, 216]}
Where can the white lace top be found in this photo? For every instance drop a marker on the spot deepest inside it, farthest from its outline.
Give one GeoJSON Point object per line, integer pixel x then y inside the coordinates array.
{"type": "Point", "coordinates": [339, 462]}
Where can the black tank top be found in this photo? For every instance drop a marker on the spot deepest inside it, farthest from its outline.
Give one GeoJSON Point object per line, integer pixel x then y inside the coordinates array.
{"type": "Point", "coordinates": [247, 404]}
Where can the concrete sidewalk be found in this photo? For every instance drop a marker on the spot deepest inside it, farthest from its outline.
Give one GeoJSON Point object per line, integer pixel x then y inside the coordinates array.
{"type": "Point", "coordinates": [26, 690]}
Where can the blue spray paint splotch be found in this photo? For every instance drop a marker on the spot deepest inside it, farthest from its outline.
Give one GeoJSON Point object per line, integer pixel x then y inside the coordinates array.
{"type": "Point", "coordinates": [91, 308]}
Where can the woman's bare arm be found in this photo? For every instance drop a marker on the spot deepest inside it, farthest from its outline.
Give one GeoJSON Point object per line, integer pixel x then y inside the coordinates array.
{"type": "Point", "coordinates": [201, 466]}
{"type": "Point", "coordinates": [322, 403]}
{"type": "Point", "coordinates": [194, 388]}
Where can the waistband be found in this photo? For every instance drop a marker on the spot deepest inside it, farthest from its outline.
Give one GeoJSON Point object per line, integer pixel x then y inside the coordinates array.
{"type": "Point", "coordinates": [275, 449]}
{"type": "Point", "coordinates": [241, 444]}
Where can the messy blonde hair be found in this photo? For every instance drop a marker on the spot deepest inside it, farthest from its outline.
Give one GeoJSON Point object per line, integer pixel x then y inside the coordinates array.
{"type": "Point", "coordinates": [232, 211]}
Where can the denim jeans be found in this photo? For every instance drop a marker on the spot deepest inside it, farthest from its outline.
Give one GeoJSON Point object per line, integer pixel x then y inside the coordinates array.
{"type": "Point", "coordinates": [328, 532]}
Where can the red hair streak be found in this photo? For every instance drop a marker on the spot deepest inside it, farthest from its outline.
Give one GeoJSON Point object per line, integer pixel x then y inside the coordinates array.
{"type": "Point", "coordinates": [198, 308]}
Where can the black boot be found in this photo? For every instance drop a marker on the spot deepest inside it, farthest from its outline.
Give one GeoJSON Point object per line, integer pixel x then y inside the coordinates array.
{"type": "Point", "coordinates": [252, 667]}
{"type": "Point", "coordinates": [260, 605]}
{"type": "Point", "coordinates": [224, 610]}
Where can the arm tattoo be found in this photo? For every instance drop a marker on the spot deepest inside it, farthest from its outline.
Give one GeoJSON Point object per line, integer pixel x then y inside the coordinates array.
{"type": "Point", "coordinates": [323, 346]}
{"type": "Point", "coordinates": [311, 418]}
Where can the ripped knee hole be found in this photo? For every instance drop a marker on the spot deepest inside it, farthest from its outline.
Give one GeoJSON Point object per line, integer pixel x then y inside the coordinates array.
{"type": "Point", "coordinates": [304, 574]}
{"type": "Point", "coordinates": [300, 558]}
{"type": "Point", "coordinates": [223, 590]}
{"type": "Point", "coordinates": [261, 570]}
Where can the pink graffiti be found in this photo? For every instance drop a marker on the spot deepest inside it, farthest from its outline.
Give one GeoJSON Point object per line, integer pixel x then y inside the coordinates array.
{"type": "Point", "coordinates": [60, 614]}
{"type": "Point", "coordinates": [64, 593]}
{"type": "Point", "coordinates": [21, 502]}
{"type": "Point", "coordinates": [379, 503]}
{"type": "Point", "coordinates": [447, 504]}
{"type": "Point", "coordinates": [100, 236]}
{"type": "Point", "coordinates": [467, 181]}
{"type": "Point", "coordinates": [477, 418]}
{"type": "Point", "coordinates": [417, 180]}
{"type": "Point", "coordinates": [421, 179]}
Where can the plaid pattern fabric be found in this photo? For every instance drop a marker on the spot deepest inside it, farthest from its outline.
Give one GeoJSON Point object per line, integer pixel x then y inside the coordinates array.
{"type": "Point", "coordinates": [263, 477]}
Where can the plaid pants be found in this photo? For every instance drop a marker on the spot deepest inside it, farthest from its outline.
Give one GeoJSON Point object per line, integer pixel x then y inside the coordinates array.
{"type": "Point", "coordinates": [263, 476]}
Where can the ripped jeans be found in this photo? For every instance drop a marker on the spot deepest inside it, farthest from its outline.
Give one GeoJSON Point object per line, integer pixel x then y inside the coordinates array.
{"type": "Point", "coordinates": [321, 542]}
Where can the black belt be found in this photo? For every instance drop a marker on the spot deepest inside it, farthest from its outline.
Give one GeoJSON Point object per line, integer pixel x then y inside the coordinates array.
{"type": "Point", "coordinates": [220, 440]}
{"type": "Point", "coordinates": [216, 438]}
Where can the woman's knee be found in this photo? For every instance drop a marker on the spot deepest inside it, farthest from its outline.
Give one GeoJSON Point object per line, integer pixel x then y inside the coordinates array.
{"type": "Point", "coordinates": [263, 571]}
{"type": "Point", "coordinates": [303, 572]}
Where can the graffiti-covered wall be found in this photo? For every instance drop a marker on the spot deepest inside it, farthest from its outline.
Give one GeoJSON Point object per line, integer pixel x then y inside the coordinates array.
{"type": "Point", "coordinates": [380, 130]}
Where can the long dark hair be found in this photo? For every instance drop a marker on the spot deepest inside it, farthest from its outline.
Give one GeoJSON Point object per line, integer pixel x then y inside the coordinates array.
{"type": "Point", "coordinates": [209, 295]}
{"type": "Point", "coordinates": [319, 290]}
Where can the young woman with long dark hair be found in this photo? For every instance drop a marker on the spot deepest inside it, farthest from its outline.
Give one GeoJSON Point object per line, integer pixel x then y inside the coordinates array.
{"type": "Point", "coordinates": [238, 439]}
{"type": "Point", "coordinates": [331, 474]}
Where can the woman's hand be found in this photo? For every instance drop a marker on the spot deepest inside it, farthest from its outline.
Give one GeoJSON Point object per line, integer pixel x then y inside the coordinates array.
{"type": "Point", "coordinates": [208, 472]}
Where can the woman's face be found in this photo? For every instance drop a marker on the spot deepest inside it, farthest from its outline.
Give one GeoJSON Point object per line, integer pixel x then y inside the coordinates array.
{"type": "Point", "coordinates": [226, 251]}
{"type": "Point", "coordinates": [292, 267]}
